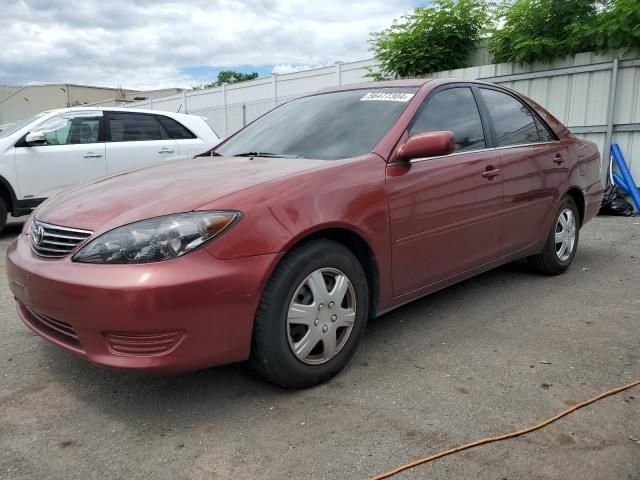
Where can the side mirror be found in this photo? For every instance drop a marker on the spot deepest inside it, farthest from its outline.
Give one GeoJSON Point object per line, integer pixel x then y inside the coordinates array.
{"type": "Point", "coordinates": [35, 138]}
{"type": "Point", "coordinates": [429, 144]}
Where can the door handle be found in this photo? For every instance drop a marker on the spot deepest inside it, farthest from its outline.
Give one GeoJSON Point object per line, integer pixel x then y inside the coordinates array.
{"type": "Point", "coordinates": [491, 172]}
{"type": "Point", "coordinates": [559, 159]}
{"type": "Point", "coordinates": [166, 150]}
{"type": "Point", "coordinates": [92, 155]}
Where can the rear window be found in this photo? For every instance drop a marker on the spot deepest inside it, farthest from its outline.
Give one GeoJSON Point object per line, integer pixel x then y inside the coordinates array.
{"type": "Point", "coordinates": [133, 127]}
{"type": "Point", "coordinates": [175, 129]}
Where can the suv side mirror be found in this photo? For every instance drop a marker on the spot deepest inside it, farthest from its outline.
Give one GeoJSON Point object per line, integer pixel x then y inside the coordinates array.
{"type": "Point", "coordinates": [429, 144]}
{"type": "Point", "coordinates": [35, 138]}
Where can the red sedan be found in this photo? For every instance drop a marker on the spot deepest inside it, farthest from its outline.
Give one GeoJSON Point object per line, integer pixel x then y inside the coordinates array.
{"type": "Point", "coordinates": [279, 245]}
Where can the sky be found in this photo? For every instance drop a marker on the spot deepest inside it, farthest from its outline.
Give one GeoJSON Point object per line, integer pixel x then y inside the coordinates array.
{"type": "Point", "coordinates": [157, 43]}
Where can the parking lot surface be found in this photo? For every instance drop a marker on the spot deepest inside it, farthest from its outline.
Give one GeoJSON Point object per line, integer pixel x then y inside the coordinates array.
{"type": "Point", "coordinates": [496, 353]}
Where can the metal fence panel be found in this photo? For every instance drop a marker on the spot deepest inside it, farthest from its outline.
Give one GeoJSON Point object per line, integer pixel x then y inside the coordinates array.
{"type": "Point", "coordinates": [575, 89]}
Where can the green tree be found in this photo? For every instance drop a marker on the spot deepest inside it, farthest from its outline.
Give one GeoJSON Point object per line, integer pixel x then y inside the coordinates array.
{"type": "Point", "coordinates": [227, 76]}
{"type": "Point", "coordinates": [616, 25]}
{"type": "Point", "coordinates": [542, 30]}
{"type": "Point", "coordinates": [538, 29]}
{"type": "Point", "coordinates": [433, 38]}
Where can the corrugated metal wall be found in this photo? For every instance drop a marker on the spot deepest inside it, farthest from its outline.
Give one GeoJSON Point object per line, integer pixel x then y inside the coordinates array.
{"type": "Point", "coordinates": [577, 90]}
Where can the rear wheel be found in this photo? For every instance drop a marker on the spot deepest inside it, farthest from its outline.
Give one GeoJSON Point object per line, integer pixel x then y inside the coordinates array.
{"type": "Point", "coordinates": [562, 241]}
{"type": "Point", "coordinates": [311, 316]}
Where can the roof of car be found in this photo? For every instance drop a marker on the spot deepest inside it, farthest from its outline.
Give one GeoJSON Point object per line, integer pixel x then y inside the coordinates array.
{"type": "Point", "coordinates": [413, 82]}
{"type": "Point", "coordinates": [112, 109]}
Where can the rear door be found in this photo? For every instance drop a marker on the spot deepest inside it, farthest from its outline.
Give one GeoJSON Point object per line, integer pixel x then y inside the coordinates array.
{"type": "Point", "coordinates": [74, 152]}
{"type": "Point", "coordinates": [135, 140]}
{"type": "Point", "coordinates": [534, 166]}
{"type": "Point", "coordinates": [189, 145]}
{"type": "Point", "coordinates": [445, 211]}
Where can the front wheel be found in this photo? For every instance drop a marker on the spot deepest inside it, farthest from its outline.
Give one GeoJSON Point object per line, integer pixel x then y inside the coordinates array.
{"type": "Point", "coordinates": [312, 315]}
{"type": "Point", "coordinates": [562, 241]}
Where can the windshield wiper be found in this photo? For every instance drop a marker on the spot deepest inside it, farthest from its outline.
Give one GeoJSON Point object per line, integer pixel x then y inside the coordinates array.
{"type": "Point", "coordinates": [267, 154]}
{"type": "Point", "coordinates": [255, 154]}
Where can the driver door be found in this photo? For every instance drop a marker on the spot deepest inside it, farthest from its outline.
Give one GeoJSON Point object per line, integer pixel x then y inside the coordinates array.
{"type": "Point", "coordinates": [445, 211]}
{"type": "Point", "coordinates": [73, 153]}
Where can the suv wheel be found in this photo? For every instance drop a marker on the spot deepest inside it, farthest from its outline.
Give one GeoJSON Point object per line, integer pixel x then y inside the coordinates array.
{"type": "Point", "coordinates": [3, 214]}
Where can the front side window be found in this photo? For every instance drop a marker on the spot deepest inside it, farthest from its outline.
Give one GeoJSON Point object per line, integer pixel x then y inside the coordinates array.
{"type": "Point", "coordinates": [133, 127]}
{"type": "Point", "coordinates": [71, 129]}
{"type": "Point", "coordinates": [513, 121]}
{"type": "Point", "coordinates": [327, 126]}
{"type": "Point", "coordinates": [454, 110]}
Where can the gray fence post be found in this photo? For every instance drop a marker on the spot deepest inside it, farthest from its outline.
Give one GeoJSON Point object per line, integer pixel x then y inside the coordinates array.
{"type": "Point", "coordinates": [150, 103]}
{"type": "Point", "coordinates": [611, 110]}
{"type": "Point", "coordinates": [274, 80]}
{"type": "Point", "coordinates": [224, 99]}
{"type": "Point", "coordinates": [184, 101]}
{"type": "Point", "coordinates": [244, 115]}
{"type": "Point", "coordinates": [339, 73]}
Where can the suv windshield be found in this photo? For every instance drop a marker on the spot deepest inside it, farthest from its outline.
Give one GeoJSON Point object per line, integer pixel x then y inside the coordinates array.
{"type": "Point", "coordinates": [17, 126]}
{"type": "Point", "coordinates": [327, 126]}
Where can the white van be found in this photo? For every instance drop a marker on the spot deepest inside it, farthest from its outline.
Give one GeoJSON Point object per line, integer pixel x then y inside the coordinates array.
{"type": "Point", "coordinates": [45, 154]}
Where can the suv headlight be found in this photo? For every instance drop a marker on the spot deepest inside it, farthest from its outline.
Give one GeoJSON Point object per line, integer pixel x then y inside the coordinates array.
{"type": "Point", "coordinates": [156, 239]}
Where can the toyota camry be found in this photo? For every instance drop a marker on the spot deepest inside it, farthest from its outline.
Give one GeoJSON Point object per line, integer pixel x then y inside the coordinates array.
{"type": "Point", "coordinates": [278, 245]}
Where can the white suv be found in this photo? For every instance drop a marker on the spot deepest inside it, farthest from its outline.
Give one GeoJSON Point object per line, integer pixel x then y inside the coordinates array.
{"type": "Point", "coordinates": [47, 153]}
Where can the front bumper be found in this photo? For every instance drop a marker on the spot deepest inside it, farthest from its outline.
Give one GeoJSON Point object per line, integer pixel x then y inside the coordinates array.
{"type": "Point", "coordinates": [184, 314]}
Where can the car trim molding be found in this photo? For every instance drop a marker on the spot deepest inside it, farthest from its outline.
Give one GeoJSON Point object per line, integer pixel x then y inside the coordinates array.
{"type": "Point", "coordinates": [506, 147]}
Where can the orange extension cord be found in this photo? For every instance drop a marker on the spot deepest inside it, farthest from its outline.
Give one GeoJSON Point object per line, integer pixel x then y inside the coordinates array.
{"type": "Point", "coordinates": [506, 435]}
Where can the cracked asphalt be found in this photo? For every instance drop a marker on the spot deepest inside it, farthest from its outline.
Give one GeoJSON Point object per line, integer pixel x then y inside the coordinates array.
{"type": "Point", "coordinates": [496, 353]}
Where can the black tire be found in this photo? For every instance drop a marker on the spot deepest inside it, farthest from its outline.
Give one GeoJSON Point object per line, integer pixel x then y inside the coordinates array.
{"type": "Point", "coordinates": [548, 261]}
{"type": "Point", "coordinates": [271, 353]}
{"type": "Point", "coordinates": [3, 214]}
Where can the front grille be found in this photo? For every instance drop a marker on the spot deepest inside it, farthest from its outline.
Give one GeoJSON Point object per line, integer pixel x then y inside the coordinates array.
{"type": "Point", "coordinates": [56, 328]}
{"type": "Point", "coordinates": [55, 241]}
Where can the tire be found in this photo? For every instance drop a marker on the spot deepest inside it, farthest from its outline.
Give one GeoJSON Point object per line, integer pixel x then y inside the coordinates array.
{"type": "Point", "coordinates": [317, 325]}
{"type": "Point", "coordinates": [3, 214]}
{"type": "Point", "coordinates": [553, 260]}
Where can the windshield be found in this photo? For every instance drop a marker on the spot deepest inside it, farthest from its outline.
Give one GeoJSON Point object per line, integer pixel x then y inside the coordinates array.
{"type": "Point", "coordinates": [17, 126]}
{"type": "Point", "coordinates": [327, 126]}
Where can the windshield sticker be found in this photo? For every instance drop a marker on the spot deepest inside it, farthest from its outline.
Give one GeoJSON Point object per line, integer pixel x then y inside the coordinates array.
{"type": "Point", "coordinates": [387, 97]}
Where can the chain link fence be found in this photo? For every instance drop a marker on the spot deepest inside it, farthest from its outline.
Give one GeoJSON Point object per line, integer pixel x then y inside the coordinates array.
{"type": "Point", "coordinates": [227, 120]}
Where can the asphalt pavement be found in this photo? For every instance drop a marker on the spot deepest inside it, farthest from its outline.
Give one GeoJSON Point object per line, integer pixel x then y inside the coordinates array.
{"type": "Point", "coordinates": [496, 353]}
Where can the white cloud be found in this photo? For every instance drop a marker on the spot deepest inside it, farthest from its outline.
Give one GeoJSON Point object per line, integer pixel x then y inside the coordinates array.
{"type": "Point", "coordinates": [149, 44]}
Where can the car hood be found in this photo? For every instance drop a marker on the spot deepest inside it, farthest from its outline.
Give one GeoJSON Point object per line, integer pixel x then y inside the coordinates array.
{"type": "Point", "coordinates": [172, 187]}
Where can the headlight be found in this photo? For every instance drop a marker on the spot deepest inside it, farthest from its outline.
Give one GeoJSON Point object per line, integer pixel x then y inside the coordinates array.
{"type": "Point", "coordinates": [156, 239]}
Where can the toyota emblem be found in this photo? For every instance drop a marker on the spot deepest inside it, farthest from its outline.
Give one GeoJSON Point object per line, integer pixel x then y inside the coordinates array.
{"type": "Point", "coordinates": [38, 235]}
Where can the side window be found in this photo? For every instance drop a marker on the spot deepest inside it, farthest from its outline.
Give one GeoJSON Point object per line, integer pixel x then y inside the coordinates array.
{"type": "Point", "coordinates": [513, 121]}
{"type": "Point", "coordinates": [545, 134]}
{"type": "Point", "coordinates": [176, 130]}
{"type": "Point", "coordinates": [64, 130]}
{"type": "Point", "coordinates": [132, 127]}
{"type": "Point", "coordinates": [455, 110]}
